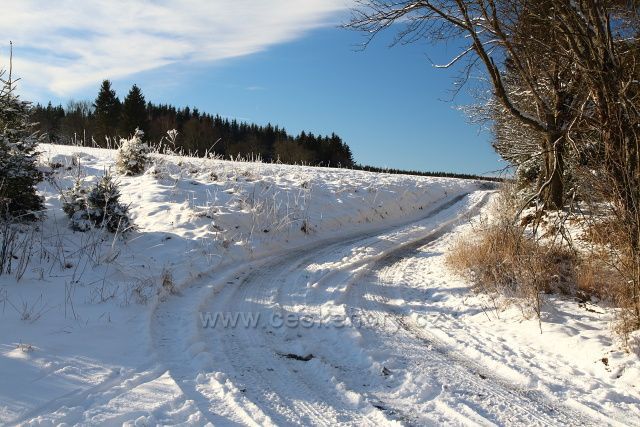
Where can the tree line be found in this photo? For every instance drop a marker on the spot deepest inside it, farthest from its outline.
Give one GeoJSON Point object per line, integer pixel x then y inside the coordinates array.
{"type": "Point", "coordinates": [105, 120]}
{"type": "Point", "coordinates": [439, 174]}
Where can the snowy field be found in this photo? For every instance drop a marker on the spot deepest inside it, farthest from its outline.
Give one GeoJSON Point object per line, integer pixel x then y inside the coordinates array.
{"type": "Point", "coordinates": [260, 294]}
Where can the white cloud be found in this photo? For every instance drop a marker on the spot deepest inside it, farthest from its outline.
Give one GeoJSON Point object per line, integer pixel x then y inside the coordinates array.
{"type": "Point", "coordinates": [62, 46]}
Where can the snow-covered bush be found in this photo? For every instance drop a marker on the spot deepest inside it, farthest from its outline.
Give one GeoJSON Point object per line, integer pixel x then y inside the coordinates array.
{"type": "Point", "coordinates": [133, 155]}
{"type": "Point", "coordinates": [75, 206]}
{"type": "Point", "coordinates": [98, 207]}
{"type": "Point", "coordinates": [18, 172]}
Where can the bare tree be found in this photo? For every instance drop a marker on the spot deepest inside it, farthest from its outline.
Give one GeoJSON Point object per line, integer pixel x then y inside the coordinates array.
{"type": "Point", "coordinates": [516, 32]}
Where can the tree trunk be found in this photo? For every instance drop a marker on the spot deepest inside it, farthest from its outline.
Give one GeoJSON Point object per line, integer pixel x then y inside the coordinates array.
{"type": "Point", "coordinates": [553, 193]}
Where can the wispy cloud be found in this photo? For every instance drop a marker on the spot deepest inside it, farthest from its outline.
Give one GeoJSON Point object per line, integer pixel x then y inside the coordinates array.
{"type": "Point", "coordinates": [62, 46]}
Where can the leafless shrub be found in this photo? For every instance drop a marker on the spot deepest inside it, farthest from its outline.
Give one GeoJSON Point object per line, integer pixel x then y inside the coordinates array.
{"type": "Point", "coordinates": [25, 348]}
{"type": "Point", "coordinates": [16, 247]}
{"type": "Point", "coordinates": [142, 290]}
{"type": "Point", "coordinates": [305, 228]}
{"type": "Point", "coordinates": [502, 258]}
{"type": "Point", "coordinates": [168, 286]}
{"type": "Point", "coordinates": [607, 270]}
{"type": "Point", "coordinates": [29, 311]}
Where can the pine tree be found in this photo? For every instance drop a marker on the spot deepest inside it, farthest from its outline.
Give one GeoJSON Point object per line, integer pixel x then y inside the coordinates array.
{"type": "Point", "coordinates": [98, 206]}
{"type": "Point", "coordinates": [107, 112]}
{"type": "Point", "coordinates": [134, 113]}
{"type": "Point", "coordinates": [18, 172]}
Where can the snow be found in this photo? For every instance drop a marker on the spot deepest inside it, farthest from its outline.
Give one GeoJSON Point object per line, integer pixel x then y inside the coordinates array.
{"type": "Point", "coordinates": [388, 335]}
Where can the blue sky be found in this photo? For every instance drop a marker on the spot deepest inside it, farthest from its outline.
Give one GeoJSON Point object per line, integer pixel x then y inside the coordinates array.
{"type": "Point", "coordinates": [389, 104]}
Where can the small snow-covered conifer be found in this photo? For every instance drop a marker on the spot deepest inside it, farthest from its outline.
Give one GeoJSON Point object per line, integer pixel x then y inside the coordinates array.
{"type": "Point", "coordinates": [75, 206]}
{"type": "Point", "coordinates": [98, 207]}
{"type": "Point", "coordinates": [19, 174]}
{"type": "Point", "coordinates": [133, 155]}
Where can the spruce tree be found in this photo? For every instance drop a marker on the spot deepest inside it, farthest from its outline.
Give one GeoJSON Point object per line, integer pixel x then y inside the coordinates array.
{"type": "Point", "coordinates": [18, 142]}
{"type": "Point", "coordinates": [107, 112]}
{"type": "Point", "coordinates": [98, 206]}
{"type": "Point", "coordinates": [134, 113]}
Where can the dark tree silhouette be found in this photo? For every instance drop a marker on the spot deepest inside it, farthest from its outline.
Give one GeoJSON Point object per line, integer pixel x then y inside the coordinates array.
{"type": "Point", "coordinates": [18, 142]}
{"type": "Point", "coordinates": [107, 110]}
{"type": "Point", "coordinates": [134, 113]}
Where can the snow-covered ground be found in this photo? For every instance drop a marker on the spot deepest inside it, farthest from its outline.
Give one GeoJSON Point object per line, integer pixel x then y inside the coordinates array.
{"type": "Point", "coordinates": [344, 311]}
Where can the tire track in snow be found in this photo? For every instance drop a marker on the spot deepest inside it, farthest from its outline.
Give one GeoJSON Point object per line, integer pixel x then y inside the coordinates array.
{"type": "Point", "coordinates": [83, 400]}
{"type": "Point", "coordinates": [290, 397]}
{"type": "Point", "coordinates": [173, 332]}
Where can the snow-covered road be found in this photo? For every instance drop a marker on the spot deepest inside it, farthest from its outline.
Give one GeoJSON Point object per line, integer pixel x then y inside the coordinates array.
{"type": "Point", "coordinates": [317, 336]}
